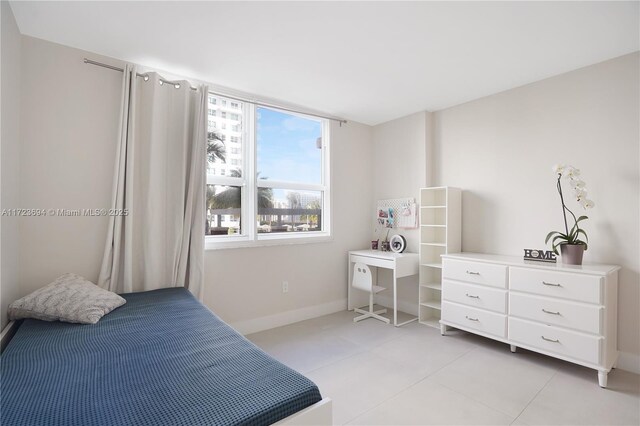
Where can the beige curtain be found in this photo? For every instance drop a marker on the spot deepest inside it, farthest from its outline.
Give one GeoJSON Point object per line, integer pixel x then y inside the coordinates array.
{"type": "Point", "coordinates": [159, 180]}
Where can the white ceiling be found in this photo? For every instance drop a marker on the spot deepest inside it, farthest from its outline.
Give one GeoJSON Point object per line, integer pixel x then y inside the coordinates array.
{"type": "Point", "coordinates": [365, 61]}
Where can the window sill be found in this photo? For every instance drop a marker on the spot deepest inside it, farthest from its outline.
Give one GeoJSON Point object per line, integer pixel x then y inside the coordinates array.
{"type": "Point", "coordinates": [267, 241]}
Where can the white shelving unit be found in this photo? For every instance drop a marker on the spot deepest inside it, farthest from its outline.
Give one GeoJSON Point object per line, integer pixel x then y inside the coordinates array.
{"type": "Point", "coordinates": [440, 226]}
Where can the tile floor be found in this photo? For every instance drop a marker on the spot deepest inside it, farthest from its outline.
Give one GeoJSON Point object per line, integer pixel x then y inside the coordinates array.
{"type": "Point", "coordinates": [380, 375]}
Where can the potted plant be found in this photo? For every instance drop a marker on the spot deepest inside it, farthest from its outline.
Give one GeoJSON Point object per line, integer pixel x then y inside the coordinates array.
{"type": "Point", "coordinates": [573, 242]}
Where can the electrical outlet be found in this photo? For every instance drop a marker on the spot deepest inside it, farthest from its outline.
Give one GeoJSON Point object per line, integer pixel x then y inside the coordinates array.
{"type": "Point", "coordinates": [285, 286]}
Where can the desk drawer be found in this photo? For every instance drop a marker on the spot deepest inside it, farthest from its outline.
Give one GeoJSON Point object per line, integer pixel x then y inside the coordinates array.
{"type": "Point", "coordinates": [475, 272]}
{"type": "Point", "coordinates": [373, 261]}
{"type": "Point", "coordinates": [564, 313]}
{"type": "Point", "coordinates": [475, 295]}
{"type": "Point", "coordinates": [569, 343]}
{"type": "Point", "coordinates": [476, 319]}
{"type": "Point", "coordinates": [580, 287]}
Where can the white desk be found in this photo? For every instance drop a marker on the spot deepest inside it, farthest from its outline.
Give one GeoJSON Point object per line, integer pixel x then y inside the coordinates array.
{"type": "Point", "coordinates": [402, 265]}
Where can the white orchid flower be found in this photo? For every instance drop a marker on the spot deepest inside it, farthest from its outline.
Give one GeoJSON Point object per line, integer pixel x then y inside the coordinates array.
{"type": "Point", "coordinates": [577, 183]}
{"type": "Point", "coordinates": [571, 172]}
{"type": "Point", "coordinates": [558, 168]}
{"type": "Point", "coordinates": [587, 204]}
{"type": "Point", "coordinates": [579, 193]}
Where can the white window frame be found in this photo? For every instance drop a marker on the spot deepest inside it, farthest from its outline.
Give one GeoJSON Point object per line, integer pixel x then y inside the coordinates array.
{"type": "Point", "coordinates": [250, 183]}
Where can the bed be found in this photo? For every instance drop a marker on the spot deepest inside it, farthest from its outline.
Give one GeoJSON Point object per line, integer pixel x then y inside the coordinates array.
{"type": "Point", "coordinates": [160, 359]}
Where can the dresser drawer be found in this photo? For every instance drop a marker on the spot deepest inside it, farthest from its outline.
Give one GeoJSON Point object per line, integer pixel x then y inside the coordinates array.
{"type": "Point", "coordinates": [475, 295]}
{"type": "Point", "coordinates": [565, 313]}
{"type": "Point", "coordinates": [476, 319]}
{"type": "Point", "coordinates": [580, 287]}
{"type": "Point", "coordinates": [569, 343]}
{"type": "Point", "coordinates": [475, 272]}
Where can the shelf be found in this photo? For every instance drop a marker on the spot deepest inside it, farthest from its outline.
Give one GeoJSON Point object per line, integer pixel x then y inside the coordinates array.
{"type": "Point", "coordinates": [433, 196]}
{"type": "Point", "coordinates": [435, 304]}
{"type": "Point", "coordinates": [432, 322]}
{"type": "Point", "coordinates": [439, 234]}
{"type": "Point", "coordinates": [432, 286]}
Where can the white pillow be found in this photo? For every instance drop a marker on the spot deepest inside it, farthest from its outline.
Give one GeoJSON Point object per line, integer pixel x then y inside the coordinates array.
{"type": "Point", "coordinates": [70, 298]}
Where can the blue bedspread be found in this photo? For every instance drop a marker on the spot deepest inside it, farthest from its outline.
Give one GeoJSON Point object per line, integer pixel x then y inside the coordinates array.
{"type": "Point", "coordinates": [160, 359]}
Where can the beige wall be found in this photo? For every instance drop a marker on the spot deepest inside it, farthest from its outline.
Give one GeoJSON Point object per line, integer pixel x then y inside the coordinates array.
{"type": "Point", "coordinates": [10, 75]}
{"type": "Point", "coordinates": [500, 150]}
{"type": "Point", "coordinates": [244, 285]}
{"type": "Point", "coordinates": [69, 130]}
{"type": "Point", "coordinates": [402, 165]}
{"type": "Point", "coordinates": [69, 127]}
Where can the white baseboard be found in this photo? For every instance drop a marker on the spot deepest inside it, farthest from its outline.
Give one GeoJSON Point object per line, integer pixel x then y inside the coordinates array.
{"type": "Point", "coordinates": [629, 362]}
{"type": "Point", "coordinates": [403, 305]}
{"type": "Point", "coordinates": [289, 317]}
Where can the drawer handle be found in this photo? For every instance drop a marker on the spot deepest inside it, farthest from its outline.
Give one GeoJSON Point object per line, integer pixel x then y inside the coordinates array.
{"type": "Point", "coordinates": [472, 296]}
{"type": "Point", "coordinates": [550, 312]}
{"type": "Point", "coordinates": [550, 340]}
{"type": "Point", "coordinates": [471, 319]}
{"type": "Point", "coordinates": [473, 273]}
{"type": "Point", "coordinates": [551, 284]}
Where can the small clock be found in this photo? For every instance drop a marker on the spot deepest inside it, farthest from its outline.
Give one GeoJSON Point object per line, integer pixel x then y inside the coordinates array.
{"type": "Point", "coordinates": [398, 243]}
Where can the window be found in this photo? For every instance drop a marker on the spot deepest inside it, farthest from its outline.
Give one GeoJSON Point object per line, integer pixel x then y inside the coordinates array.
{"type": "Point", "coordinates": [274, 169]}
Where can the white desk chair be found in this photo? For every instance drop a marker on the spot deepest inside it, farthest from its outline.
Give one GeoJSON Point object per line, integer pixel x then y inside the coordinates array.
{"type": "Point", "coordinates": [363, 280]}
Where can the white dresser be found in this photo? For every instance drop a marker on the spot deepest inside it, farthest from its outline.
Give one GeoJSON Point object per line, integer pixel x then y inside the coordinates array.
{"type": "Point", "coordinates": [568, 312]}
